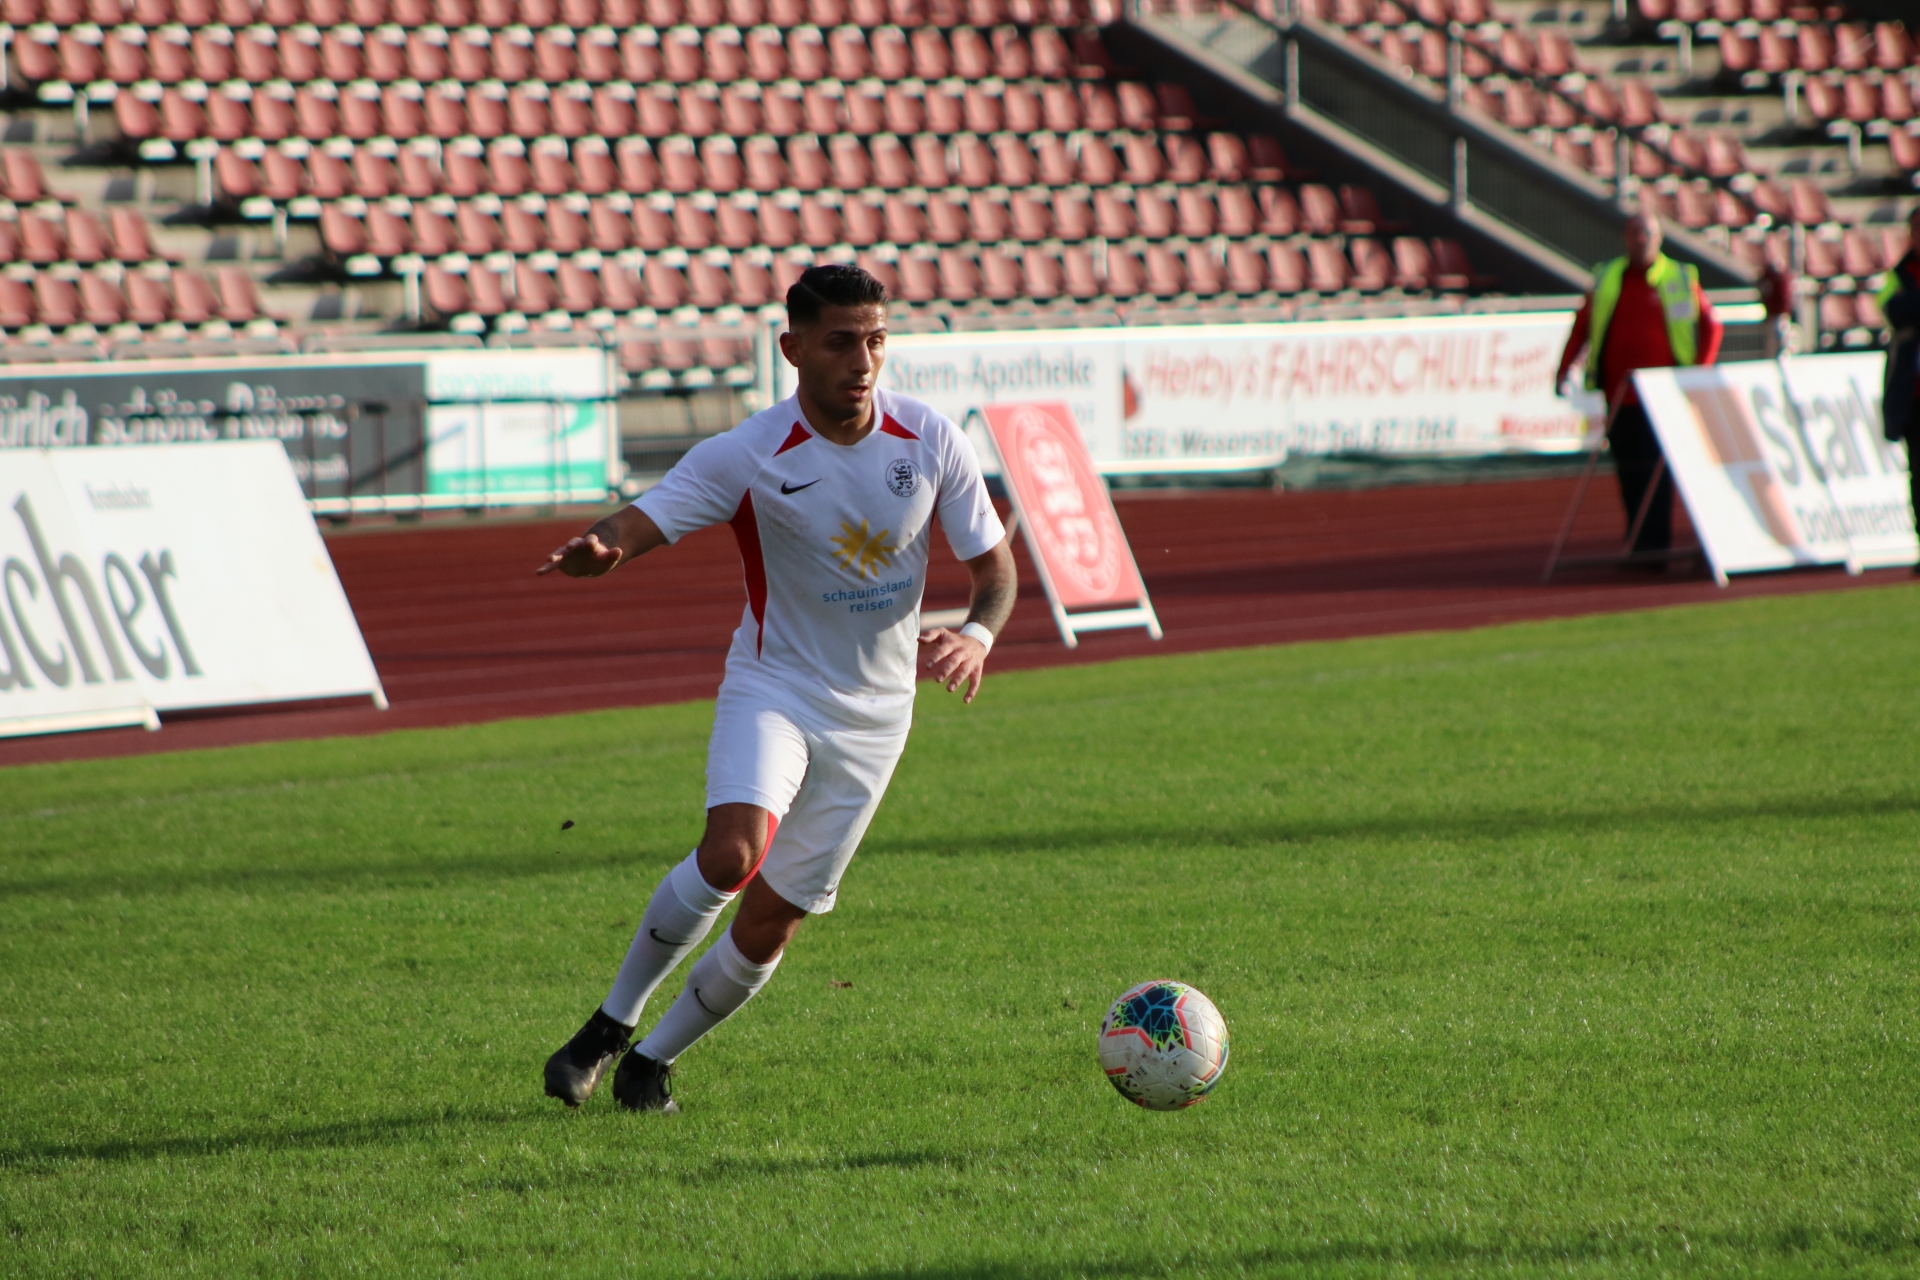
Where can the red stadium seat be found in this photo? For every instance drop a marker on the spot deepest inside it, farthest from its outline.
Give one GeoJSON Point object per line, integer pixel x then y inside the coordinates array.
{"type": "Point", "coordinates": [522, 231]}
{"type": "Point", "coordinates": [851, 170]}
{"type": "Point", "coordinates": [1154, 212]}
{"type": "Point", "coordinates": [1372, 265]}
{"type": "Point", "coordinates": [16, 304]}
{"type": "Point", "coordinates": [533, 290]}
{"type": "Point", "coordinates": [431, 233]}
{"type": "Point", "coordinates": [1319, 210]}
{"type": "Point", "coordinates": [619, 288]}
{"type": "Point", "coordinates": [1137, 108]}
{"type": "Point", "coordinates": [808, 169]}
{"type": "Point", "coordinates": [930, 161]}
{"type": "Point", "coordinates": [1080, 281]}
{"type": "Point", "coordinates": [1144, 163]}
{"type": "Point", "coordinates": [446, 293]}
{"type": "Point", "coordinates": [1013, 160]}
{"type": "Point", "coordinates": [1112, 216]}
{"type": "Point", "coordinates": [973, 162]}
{"type": "Point", "coordinates": [1195, 213]}
{"type": "Point", "coordinates": [194, 301]}
{"type": "Point", "coordinates": [100, 302]}
{"type": "Point", "coordinates": [1286, 270]}
{"type": "Point", "coordinates": [752, 287]}
{"type": "Point", "coordinates": [1001, 278]}
{"type": "Point", "coordinates": [1125, 276]}
{"type": "Point", "coordinates": [609, 228]}
{"type": "Point", "coordinates": [1166, 274]}
{"type": "Point", "coordinates": [476, 233]}
{"type": "Point", "coordinates": [486, 292]}
{"type": "Point", "coordinates": [1327, 268]}
{"type": "Point", "coordinates": [862, 221]}
{"type": "Point", "coordinates": [959, 276]}
{"type": "Point", "coordinates": [55, 301]}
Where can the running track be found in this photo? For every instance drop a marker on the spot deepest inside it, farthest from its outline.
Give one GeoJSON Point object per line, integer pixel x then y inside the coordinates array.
{"type": "Point", "coordinates": [462, 631]}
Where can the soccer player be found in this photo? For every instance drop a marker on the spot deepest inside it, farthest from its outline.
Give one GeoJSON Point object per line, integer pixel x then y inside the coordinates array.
{"type": "Point", "coordinates": [830, 494]}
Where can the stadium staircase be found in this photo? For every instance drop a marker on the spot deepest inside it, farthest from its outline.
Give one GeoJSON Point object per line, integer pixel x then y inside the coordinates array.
{"type": "Point", "coordinates": [184, 176]}
{"type": "Point", "coordinates": [1777, 135]}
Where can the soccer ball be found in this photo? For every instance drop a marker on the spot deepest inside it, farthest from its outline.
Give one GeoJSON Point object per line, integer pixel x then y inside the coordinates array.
{"type": "Point", "coordinates": [1163, 1045]}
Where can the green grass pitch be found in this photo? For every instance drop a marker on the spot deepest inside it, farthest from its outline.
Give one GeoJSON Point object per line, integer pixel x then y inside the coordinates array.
{"type": "Point", "coordinates": [1575, 948]}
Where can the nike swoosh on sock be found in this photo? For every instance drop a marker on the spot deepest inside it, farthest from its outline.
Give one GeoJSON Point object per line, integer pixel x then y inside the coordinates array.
{"type": "Point", "coordinates": [703, 1004]}
{"type": "Point", "coordinates": [665, 942]}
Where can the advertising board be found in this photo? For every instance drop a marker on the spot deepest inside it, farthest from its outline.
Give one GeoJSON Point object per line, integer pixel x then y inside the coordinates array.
{"type": "Point", "coordinates": [1203, 398]}
{"type": "Point", "coordinates": [1782, 463]}
{"type": "Point", "coordinates": [58, 675]}
{"type": "Point", "coordinates": [1067, 515]}
{"type": "Point", "coordinates": [397, 430]}
{"type": "Point", "coordinates": [166, 578]}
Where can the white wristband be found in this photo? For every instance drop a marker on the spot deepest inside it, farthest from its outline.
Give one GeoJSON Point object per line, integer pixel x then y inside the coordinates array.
{"type": "Point", "coordinates": [980, 633]}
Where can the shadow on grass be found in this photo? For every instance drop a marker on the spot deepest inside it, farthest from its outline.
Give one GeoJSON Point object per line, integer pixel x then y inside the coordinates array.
{"type": "Point", "coordinates": [724, 1171]}
{"type": "Point", "coordinates": [374, 1132]}
{"type": "Point", "coordinates": [1130, 829]}
{"type": "Point", "coordinates": [1791, 1241]}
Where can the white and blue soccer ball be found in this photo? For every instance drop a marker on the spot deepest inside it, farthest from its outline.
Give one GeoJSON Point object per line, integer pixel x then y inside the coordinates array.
{"type": "Point", "coordinates": [1163, 1045]}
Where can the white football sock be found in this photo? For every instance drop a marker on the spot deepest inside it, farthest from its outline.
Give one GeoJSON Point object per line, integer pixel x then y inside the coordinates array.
{"type": "Point", "coordinates": [719, 984]}
{"type": "Point", "coordinates": [683, 908]}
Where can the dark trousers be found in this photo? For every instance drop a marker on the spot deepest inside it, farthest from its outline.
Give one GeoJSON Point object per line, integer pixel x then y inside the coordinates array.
{"type": "Point", "coordinates": [1636, 452]}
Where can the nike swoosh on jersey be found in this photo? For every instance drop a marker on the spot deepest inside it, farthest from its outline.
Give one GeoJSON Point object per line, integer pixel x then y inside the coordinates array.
{"type": "Point", "coordinates": [798, 487]}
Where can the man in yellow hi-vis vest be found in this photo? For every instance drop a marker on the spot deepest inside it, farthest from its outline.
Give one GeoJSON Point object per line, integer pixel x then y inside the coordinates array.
{"type": "Point", "coordinates": [1899, 300]}
{"type": "Point", "coordinates": [1646, 311]}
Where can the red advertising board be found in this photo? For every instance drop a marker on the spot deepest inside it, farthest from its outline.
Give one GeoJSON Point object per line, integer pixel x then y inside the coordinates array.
{"type": "Point", "coordinates": [1069, 520]}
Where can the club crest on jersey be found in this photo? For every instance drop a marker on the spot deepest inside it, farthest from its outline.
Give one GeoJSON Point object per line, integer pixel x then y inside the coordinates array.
{"type": "Point", "coordinates": [903, 478]}
{"type": "Point", "coordinates": [861, 552]}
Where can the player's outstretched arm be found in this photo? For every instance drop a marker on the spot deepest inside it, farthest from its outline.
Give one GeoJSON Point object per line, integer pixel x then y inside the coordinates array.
{"type": "Point", "coordinates": [955, 659]}
{"type": "Point", "coordinates": [612, 541]}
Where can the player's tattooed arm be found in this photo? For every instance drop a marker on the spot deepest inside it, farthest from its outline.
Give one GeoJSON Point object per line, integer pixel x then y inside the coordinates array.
{"type": "Point", "coordinates": [994, 589]}
{"type": "Point", "coordinates": [612, 541]}
{"type": "Point", "coordinates": [959, 661]}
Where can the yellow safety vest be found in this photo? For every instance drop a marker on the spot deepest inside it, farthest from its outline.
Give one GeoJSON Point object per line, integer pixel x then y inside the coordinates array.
{"type": "Point", "coordinates": [1891, 285]}
{"type": "Point", "coordinates": [1675, 283]}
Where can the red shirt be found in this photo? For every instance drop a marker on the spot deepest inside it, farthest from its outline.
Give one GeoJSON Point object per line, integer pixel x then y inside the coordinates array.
{"type": "Point", "coordinates": [1637, 336]}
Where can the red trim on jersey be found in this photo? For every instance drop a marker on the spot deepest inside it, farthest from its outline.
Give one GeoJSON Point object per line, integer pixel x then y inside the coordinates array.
{"type": "Point", "coordinates": [799, 435]}
{"type": "Point", "coordinates": [747, 530]}
{"type": "Point", "coordinates": [773, 825]}
{"type": "Point", "coordinates": [892, 428]}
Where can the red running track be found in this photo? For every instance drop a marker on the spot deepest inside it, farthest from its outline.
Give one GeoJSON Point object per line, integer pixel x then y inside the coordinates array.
{"type": "Point", "coordinates": [462, 631]}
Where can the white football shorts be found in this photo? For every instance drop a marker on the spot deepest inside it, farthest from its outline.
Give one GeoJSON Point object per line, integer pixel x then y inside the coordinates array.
{"type": "Point", "coordinates": [821, 780]}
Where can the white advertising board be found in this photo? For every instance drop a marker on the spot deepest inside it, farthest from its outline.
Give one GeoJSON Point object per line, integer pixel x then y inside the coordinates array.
{"type": "Point", "coordinates": [170, 577]}
{"type": "Point", "coordinates": [1782, 463]}
{"type": "Point", "coordinates": [66, 666]}
{"type": "Point", "coordinates": [1203, 398]}
{"type": "Point", "coordinates": [397, 430]}
{"type": "Point", "coordinates": [539, 425]}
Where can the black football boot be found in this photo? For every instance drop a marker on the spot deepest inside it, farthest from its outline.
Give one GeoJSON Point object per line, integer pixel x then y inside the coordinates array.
{"type": "Point", "coordinates": [642, 1084]}
{"type": "Point", "coordinates": [573, 1072]}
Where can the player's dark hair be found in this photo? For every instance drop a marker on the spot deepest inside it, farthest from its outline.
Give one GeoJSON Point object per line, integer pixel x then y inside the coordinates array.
{"type": "Point", "coordinates": [834, 284]}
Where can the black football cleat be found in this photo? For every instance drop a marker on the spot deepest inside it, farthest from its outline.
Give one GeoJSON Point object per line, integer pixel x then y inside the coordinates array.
{"type": "Point", "coordinates": [642, 1084]}
{"type": "Point", "coordinates": [573, 1072]}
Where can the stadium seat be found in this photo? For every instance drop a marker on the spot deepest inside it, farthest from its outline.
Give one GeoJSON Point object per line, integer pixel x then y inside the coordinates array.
{"type": "Point", "coordinates": [1327, 268]}
{"type": "Point", "coordinates": [1126, 277]}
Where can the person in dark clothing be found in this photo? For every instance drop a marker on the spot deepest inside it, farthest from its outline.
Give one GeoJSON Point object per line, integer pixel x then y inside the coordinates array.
{"type": "Point", "coordinates": [1900, 397]}
{"type": "Point", "coordinates": [1646, 311]}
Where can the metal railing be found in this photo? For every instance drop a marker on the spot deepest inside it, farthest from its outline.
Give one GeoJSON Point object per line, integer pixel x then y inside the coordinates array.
{"type": "Point", "coordinates": [1315, 71]}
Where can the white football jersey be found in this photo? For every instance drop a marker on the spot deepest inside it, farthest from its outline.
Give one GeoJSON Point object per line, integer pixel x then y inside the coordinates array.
{"type": "Point", "coordinates": [834, 540]}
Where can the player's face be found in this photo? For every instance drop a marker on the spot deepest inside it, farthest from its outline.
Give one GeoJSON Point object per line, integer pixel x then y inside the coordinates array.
{"type": "Point", "coordinates": [839, 356]}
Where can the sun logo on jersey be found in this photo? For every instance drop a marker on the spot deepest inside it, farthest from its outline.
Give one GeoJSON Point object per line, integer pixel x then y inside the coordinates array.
{"type": "Point", "coordinates": [862, 553]}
